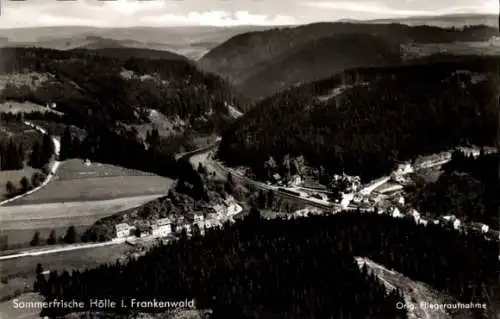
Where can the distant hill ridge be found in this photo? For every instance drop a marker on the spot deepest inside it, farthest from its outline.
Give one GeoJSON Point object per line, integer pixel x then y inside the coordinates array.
{"type": "Point", "coordinates": [244, 55]}
{"type": "Point", "coordinates": [318, 59]}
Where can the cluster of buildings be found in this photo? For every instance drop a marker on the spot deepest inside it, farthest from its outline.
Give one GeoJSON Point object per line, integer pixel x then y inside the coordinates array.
{"type": "Point", "coordinates": [159, 228]}
{"type": "Point", "coordinates": [401, 171]}
{"type": "Point", "coordinates": [164, 227]}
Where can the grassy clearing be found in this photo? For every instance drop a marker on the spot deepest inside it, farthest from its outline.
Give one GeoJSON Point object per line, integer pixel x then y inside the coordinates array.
{"type": "Point", "coordinates": [14, 177]}
{"type": "Point", "coordinates": [77, 182]}
{"type": "Point", "coordinates": [8, 311]}
{"type": "Point", "coordinates": [96, 189]}
{"type": "Point", "coordinates": [20, 272]}
{"type": "Point", "coordinates": [17, 237]}
{"type": "Point", "coordinates": [458, 48]}
{"type": "Point", "coordinates": [22, 107]}
{"type": "Point", "coordinates": [54, 215]}
{"type": "Point", "coordinates": [76, 169]}
{"type": "Point", "coordinates": [74, 259]}
{"type": "Point", "coordinates": [79, 195]}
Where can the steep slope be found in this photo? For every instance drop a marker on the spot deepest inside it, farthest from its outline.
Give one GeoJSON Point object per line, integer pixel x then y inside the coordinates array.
{"type": "Point", "coordinates": [239, 57]}
{"type": "Point", "coordinates": [318, 59]}
{"type": "Point", "coordinates": [114, 99]}
{"type": "Point", "coordinates": [121, 89]}
{"type": "Point", "coordinates": [385, 115]}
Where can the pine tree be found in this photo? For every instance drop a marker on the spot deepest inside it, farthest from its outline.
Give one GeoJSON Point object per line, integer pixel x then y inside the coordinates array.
{"type": "Point", "coordinates": [47, 149]}
{"type": "Point", "coordinates": [25, 184]}
{"type": "Point", "coordinates": [66, 145]}
{"type": "Point", "coordinates": [70, 236]}
{"type": "Point", "coordinates": [35, 241]}
{"type": "Point", "coordinates": [52, 238]}
{"type": "Point", "coordinates": [35, 158]}
{"type": "Point", "coordinates": [10, 188]}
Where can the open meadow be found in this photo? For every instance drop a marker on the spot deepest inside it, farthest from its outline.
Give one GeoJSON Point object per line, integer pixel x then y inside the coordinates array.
{"type": "Point", "coordinates": [456, 48]}
{"type": "Point", "coordinates": [79, 195]}
{"type": "Point", "coordinates": [77, 182]}
{"type": "Point", "coordinates": [22, 107]}
{"type": "Point", "coordinates": [18, 274]}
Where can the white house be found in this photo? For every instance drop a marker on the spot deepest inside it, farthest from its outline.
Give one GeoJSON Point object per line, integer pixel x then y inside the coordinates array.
{"type": "Point", "coordinates": [161, 231]}
{"type": "Point", "coordinates": [423, 222]}
{"type": "Point", "coordinates": [123, 230]}
{"type": "Point", "coordinates": [188, 228]}
{"type": "Point", "coordinates": [162, 227]}
{"type": "Point", "coordinates": [415, 214]}
{"type": "Point", "coordinates": [404, 168]}
{"type": "Point", "coordinates": [396, 213]}
{"type": "Point", "coordinates": [295, 181]}
{"type": "Point", "coordinates": [485, 228]}
{"type": "Point", "coordinates": [401, 200]}
{"type": "Point", "coordinates": [346, 199]}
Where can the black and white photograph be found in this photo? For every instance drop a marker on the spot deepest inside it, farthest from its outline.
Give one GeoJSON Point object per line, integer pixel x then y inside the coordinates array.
{"type": "Point", "coordinates": [249, 159]}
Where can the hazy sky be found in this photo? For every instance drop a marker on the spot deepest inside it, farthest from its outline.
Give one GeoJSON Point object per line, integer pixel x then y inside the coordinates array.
{"type": "Point", "coordinates": [118, 13]}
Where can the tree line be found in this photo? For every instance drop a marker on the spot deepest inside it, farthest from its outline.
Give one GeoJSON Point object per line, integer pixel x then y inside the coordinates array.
{"type": "Point", "coordinates": [399, 114]}
{"type": "Point", "coordinates": [293, 268]}
{"type": "Point", "coordinates": [119, 147]}
{"type": "Point", "coordinates": [71, 236]}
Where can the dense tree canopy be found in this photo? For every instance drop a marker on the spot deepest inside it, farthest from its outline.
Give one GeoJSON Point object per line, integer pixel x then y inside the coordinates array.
{"type": "Point", "coordinates": [469, 188]}
{"type": "Point", "coordinates": [392, 114]}
{"type": "Point", "coordinates": [90, 88]}
{"type": "Point", "coordinates": [294, 269]}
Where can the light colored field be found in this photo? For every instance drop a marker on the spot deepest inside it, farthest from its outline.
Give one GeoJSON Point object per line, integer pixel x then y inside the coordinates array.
{"type": "Point", "coordinates": [459, 48]}
{"type": "Point", "coordinates": [77, 182]}
{"type": "Point", "coordinates": [21, 271]}
{"type": "Point", "coordinates": [76, 169]}
{"type": "Point", "coordinates": [14, 177]}
{"type": "Point", "coordinates": [73, 259]}
{"type": "Point", "coordinates": [31, 79]}
{"type": "Point", "coordinates": [96, 189]}
{"type": "Point", "coordinates": [79, 195]}
{"type": "Point", "coordinates": [9, 311]}
{"type": "Point", "coordinates": [18, 107]}
{"type": "Point", "coordinates": [54, 215]}
{"type": "Point", "coordinates": [24, 236]}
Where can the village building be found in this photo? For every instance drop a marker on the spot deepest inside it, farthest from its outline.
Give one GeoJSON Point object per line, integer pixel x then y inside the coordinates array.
{"type": "Point", "coordinates": [123, 230]}
{"type": "Point", "coordinates": [162, 227]}
{"type": "Point", "coordinates": [295, 181]}
{"type": "Point", "coordinates": [276, 177]}
{"type": "Point", "coordinates": [480, 227]}
{"type": "Point", "coordinates": [346, 199]}
{"type": "Point", "coordinates": [394, 212]}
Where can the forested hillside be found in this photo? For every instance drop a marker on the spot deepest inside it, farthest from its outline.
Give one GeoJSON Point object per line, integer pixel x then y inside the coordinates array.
{"type": "Point", "coordinates": [110, 94]}
{"type": "Point", "coordinates": [91, 88]}
{"type": "Point", "coordinates": [301, 268]}
{"type": "Point", "coordinates": [319, 59]}
{"type": "Point", "coordinates": [468, 189]}
{"type": "Point", "coordinates": [393, 114]}
{"type": "Point", "coordinates": [243, 56]}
